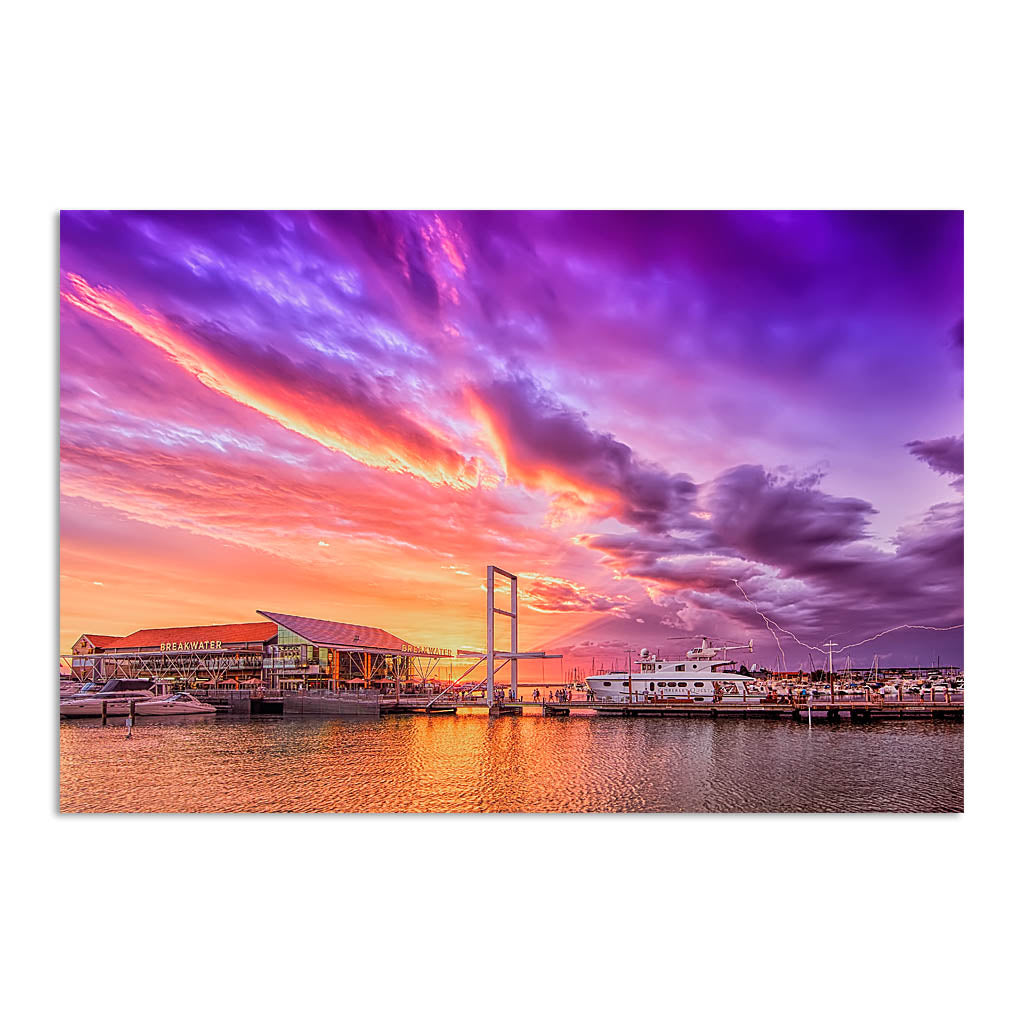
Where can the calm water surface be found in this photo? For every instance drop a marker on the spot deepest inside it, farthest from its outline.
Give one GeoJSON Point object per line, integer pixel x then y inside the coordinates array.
{"type": "Point", "coordinates": [473, 763]}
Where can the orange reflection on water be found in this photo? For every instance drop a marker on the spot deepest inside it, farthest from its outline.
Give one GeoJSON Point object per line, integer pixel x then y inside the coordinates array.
{"type": "Point", "coordinates": [473, 763]}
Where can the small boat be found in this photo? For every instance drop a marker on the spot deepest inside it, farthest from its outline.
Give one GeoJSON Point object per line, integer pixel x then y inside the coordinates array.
{"type": "Point", "coordinates": [115, 693]}
{"type": "Point", "coordinates": [119, 695]}
{"type": "Point", "coordinates": [175, 704]}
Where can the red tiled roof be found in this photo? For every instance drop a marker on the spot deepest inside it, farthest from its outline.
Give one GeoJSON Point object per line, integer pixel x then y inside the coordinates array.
{"type": "Point", "coordinates": [231, 633]}
{"type": "Point", "coordinates": [338, 634]}
{"type": "Point", "coordinates": [99, 639]}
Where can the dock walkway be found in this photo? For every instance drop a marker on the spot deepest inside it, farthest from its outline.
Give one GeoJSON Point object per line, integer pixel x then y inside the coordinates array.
{"type": "Point", "coordinates": [373, 704]}
{"type": "Point", "coordinates": [835, 711]}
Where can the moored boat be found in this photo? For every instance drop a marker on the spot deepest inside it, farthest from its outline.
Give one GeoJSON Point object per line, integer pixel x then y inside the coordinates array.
{"type": "Point", "coordinates": [118, 697]}
{"type": "Point", "coordinates": [697, 678]}
{"type": "Point", "coordinates": [175, 704]}
{"type": "Point", "coordinates": [115, 693]}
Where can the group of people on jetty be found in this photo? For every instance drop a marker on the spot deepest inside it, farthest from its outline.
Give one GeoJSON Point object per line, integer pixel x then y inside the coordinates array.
{"type": "Point", "coordinates": [562, 695]}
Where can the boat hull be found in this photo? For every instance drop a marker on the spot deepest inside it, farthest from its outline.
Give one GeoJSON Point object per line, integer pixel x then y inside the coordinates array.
{"type": "Point", "coordinates": [93, 708]}
{"type": "Point", "coordinates": [155, 710]}
{"type": "Point", "coordinates": [144, 708]}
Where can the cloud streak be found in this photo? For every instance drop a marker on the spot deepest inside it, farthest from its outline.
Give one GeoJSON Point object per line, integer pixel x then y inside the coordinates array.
{"type": "Point", "coordinates": [349, 413]}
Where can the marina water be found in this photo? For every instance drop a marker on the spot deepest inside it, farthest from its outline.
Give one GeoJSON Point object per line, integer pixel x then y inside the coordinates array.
{"type": "Point", "coordinates": [473, 763]}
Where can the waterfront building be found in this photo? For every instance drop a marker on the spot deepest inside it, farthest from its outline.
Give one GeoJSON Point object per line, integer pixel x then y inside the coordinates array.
{"type": "Point", "coordinates": [282, 651]}
{"type": "Point", "coordinates": [82, 665]}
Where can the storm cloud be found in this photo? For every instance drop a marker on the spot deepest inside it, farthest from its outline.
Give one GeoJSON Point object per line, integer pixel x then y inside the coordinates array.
{"type": "Point", "coordinates": [542, 441]}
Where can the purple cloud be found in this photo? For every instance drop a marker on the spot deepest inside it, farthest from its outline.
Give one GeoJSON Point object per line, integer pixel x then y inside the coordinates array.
{"type": "Point", "coordinates": [944, 454]}
{"type": "Point", "coordinates": [542, 439]}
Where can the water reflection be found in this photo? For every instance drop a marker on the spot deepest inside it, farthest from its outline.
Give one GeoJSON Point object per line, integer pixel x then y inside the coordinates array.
{"type": "Point", "coordinates": [471, 762]}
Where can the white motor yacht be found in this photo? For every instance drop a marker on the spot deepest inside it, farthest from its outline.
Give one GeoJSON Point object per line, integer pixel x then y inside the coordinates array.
{"type": "Point", "coordinates": [175, 704]}
{"type": "Point", "coordinates": [697, 678]}
{"type": "Point", "coordinates": [151, 699]}
{"type": "Point", "coordinates": [115, 693]}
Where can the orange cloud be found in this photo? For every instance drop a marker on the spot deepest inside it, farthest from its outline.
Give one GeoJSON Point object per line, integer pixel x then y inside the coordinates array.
{"type": "Point", "coordinates": [535, 474]}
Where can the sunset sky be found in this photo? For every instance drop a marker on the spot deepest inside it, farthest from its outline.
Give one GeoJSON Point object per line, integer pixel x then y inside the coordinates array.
{"type": "Point", "coordinates": [350, 415]}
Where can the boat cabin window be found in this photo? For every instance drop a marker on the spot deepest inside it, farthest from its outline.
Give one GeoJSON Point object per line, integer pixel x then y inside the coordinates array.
{"type": "Point", "coordinates": [680, 668]}
{"type": "Point", "coordinates": [698, 684]}
{"type": "Point", "coordinates": [609, 684]}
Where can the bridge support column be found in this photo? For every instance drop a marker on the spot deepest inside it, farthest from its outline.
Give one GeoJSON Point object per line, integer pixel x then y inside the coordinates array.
{"type": "Point", "coordinates": [512, 613]}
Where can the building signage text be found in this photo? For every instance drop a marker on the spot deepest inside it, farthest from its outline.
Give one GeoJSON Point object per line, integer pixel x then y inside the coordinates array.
{"type": "Point", "coordinates": [436, 652]}
{"type": "Point", "coordinates": [192, 645]}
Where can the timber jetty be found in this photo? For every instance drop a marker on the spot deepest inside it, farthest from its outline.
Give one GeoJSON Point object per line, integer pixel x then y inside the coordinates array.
{"type": "Point", "coordinates": [375, 704]}
{"type": "Point", "coordinates": [815, 710]}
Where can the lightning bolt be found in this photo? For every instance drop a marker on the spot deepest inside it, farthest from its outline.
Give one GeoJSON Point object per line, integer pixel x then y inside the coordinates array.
{"type": "Point", "coordinates": [767, 623]}
{"type": "Point", "coordinates": [772, 626]}
{"type": "Point", "coordinates": [936, 629]}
